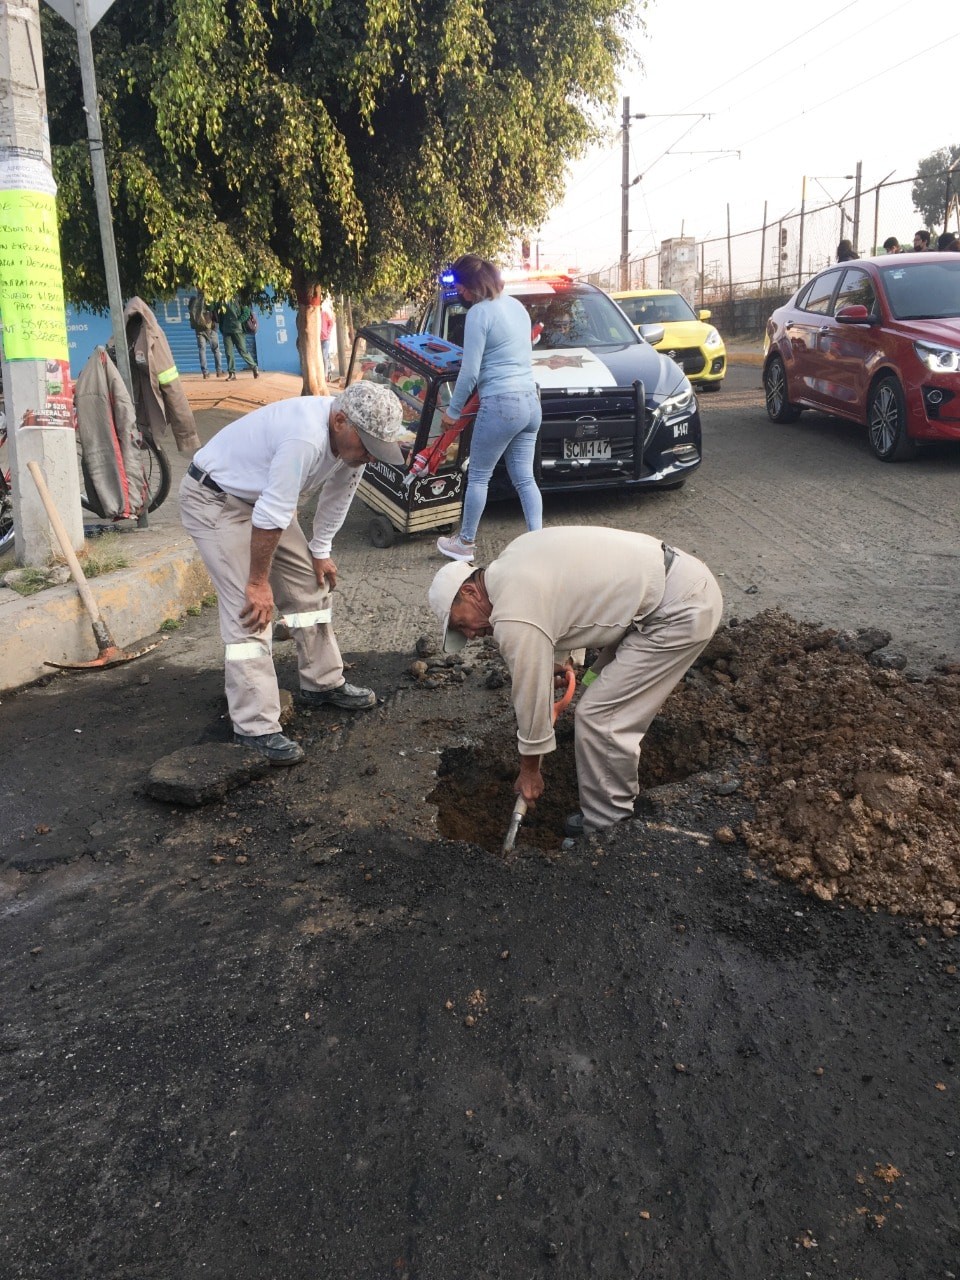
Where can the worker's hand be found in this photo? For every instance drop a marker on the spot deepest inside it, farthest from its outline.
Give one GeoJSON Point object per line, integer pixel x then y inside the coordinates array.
{"type": "Point", "coordinates": [257, 612]}
{"type": "Point", "coordinates": [529, 783]}
{"type": "Point", "coordinates": [446, 421]}
{"type": "Point", "coordinates": [326, 572]}
{"type": "Point", "coordinates": [561, 673]}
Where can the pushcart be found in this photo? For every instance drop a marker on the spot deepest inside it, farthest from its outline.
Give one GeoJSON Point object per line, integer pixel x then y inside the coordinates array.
{"type": "Point", "coordinates": [427, 493]}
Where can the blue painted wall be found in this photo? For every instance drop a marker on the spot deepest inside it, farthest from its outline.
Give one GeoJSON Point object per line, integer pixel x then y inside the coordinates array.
{"type": "Point", "coordinates": [275, 342]}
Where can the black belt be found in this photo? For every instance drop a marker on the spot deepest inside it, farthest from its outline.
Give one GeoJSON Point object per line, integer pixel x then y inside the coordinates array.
{"type": "Point", "coordinates": [669, 555]}
{"type": "Point", "coordinates": [201, 477]}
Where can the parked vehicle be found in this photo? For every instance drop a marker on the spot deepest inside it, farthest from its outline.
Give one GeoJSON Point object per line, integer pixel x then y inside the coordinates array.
{"type": "Point", "coordinates": [616, 413]}
{"type": "Point", "coordinates": [875, 341]}
{"type": "Point", "coordinates": [687, 338]}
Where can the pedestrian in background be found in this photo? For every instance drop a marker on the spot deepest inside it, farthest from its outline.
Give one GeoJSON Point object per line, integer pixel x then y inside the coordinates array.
{"type": "Point", "coordinates": [921, 241]}
{"type": "Point", "coordinates": [846, 252]}
{"type": "Point", "coordinates": [233, 317]}
{"type": "Point", "coordinates": [327, 320]}
{"type": "Point", "coordinates": [204, 324]}
{"type": "Point", "coordinates": [498, 361]}
{"type": "Point", "coordinates": [892, 245]}
{"type": "Point", "coordinates": [947, 242]}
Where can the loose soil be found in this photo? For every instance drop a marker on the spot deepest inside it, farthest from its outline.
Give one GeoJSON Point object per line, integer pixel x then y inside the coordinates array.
{"type": "Point", "coordinates": [320, 1028]}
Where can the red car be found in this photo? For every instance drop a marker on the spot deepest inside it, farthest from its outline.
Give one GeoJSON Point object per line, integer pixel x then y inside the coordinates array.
{"type": "Point", "coordinates": [876, 341]}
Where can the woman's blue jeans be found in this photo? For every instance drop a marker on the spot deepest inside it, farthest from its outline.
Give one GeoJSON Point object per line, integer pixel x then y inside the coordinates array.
{"type": "Point", "coordinates": [506, 427]}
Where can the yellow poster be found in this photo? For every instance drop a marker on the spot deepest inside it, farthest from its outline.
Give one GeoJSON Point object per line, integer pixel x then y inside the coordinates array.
{"type": "Point", "coordinates": [32, 317]}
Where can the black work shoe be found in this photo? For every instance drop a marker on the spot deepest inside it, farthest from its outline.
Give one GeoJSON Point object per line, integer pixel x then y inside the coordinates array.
{"type": "Point", "coordinates": [348, 697]}
{"type": "Point", "coordinates": [277, 747]}
{"type": "Point", "coordinates": [573, 825]}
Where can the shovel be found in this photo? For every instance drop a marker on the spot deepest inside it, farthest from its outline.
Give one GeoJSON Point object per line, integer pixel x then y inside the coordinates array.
{"type": "Point", "coordinates": [110, 655]}
{"type": "Point", "coordinates": [520, 805]}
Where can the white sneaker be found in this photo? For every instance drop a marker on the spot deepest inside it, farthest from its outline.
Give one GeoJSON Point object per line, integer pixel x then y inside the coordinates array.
{"type": "Point", "coordinates": [456, 548]}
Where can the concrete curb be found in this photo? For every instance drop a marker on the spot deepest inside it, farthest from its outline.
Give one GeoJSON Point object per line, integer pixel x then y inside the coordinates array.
{"type": "Point", "coordinates": [53, 625]}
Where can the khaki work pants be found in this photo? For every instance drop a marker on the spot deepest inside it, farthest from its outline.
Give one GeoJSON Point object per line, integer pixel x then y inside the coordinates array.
{"type": "Point", "coordinates": [617, 709]}
{"type": "Point", "coordinates": [220, 526]}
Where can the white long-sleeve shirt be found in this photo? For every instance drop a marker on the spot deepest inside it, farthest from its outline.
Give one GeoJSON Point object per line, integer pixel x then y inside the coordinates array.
{"type": "Point", "coordinates": [274, 455]}
{"type": "Point", "coordinates": [560, 589]}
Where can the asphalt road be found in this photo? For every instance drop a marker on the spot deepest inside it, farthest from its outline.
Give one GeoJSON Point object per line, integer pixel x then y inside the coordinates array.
{"type": "Point", "coordinates": [295, 1034]}
{"type": "Point", "coordinates": [800, 517]}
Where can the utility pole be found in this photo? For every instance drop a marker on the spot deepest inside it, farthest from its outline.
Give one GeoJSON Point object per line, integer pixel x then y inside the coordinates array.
{"type": "Point", "coordinates": [626, 184]}
{"type": "Point", "coordinates": [856, 208]}
{"type": "Point", "coordinates": [625, 200]}
{"type": "Point", "coordinates": [33, 338]}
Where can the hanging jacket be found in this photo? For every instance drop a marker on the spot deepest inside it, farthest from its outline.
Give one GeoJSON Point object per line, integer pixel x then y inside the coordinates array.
{"type": "Point", "coordinates": [160, 398]}
{"type": "Point", "coordinates": [107, 436]}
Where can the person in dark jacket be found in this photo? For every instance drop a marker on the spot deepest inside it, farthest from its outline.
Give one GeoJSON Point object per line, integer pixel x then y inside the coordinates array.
{"type": "Point", "coordinates": [204, 324]}
{"type": "Point", "coordinates": [233, 316]}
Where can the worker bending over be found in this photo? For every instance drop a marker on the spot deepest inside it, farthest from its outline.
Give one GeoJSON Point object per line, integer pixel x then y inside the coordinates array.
{"type": "Point", "coordinates": [649, 608]}
{"type": "Point", "coordinates": [238, 501]}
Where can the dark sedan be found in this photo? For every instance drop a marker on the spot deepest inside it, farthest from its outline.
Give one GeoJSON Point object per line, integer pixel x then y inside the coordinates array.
{"type": "Point", "coordinates": [616, 413]}
{"type": "Point", "coordinates": [876, 341]}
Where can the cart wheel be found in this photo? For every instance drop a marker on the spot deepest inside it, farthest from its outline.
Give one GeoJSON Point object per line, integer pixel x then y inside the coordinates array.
{"type": "Point", "coordinates": [382, 533]}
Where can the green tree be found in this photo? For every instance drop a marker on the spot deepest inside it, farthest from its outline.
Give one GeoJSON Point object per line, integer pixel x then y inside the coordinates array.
{"type": "Point", "coordinates": [935, 185]}
{"type": "Point", "coordinates": [352, 145]}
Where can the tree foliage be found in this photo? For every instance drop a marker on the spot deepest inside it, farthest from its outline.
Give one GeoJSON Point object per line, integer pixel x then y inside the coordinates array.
{"type": "Point", "coordinates": [930, 191]}
{"type": "Point", "coordinates": [353, 143]}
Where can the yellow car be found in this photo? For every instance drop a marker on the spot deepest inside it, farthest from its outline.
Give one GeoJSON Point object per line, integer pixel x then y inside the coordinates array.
{"type": "Point", "coordinates": [696, 347]}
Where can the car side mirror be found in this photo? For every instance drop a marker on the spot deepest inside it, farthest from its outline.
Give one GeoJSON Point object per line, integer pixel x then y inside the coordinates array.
{"type": "Point", "coordinates": [855, 313]}
{"type": "Point", "coordinates": [652, 333]}
{"type": "Point", "coordinates": [704, 314]}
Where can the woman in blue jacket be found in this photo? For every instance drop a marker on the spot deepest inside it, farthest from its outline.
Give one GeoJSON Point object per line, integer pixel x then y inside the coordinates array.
{"type": "Point", "coordinates": [497, 360]}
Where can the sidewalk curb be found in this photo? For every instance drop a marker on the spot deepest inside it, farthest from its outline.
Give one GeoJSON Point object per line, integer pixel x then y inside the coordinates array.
{"type": "Point", "coordinates": [53, 625]}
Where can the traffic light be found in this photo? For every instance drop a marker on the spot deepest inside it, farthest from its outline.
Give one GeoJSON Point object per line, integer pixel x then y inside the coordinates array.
{"type": "Point", "coordinates": [525, 252]}
{"type": "Point", "coordinates": [783, 237]}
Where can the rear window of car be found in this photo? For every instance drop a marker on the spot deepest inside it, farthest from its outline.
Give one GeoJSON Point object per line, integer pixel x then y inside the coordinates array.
{"type": "Point", "coordinates": [661, 309]}
{"type": "Point", "coordinates": [818, 295]}
{"type": "Point", "coordinates": [923, 290]}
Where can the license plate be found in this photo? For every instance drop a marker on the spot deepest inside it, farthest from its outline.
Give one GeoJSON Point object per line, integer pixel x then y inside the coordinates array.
{"type": "Point", "coordinates": [593, 450]}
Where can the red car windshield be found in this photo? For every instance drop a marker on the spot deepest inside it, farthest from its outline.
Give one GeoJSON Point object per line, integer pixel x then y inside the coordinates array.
{"type": "Point", "coordinates": [923, 290]}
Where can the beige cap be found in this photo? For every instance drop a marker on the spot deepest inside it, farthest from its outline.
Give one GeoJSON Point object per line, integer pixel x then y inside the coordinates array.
{"type": "Point", "coordinates": [443, 590]}
{"type": "Point", "coordinates": [377, 416]}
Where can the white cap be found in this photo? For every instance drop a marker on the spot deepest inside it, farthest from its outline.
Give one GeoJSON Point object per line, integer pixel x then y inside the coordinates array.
{"type": "Point", "coordinates": [375, 413]}
{"type": "Point", "coordinates": [443, 590]}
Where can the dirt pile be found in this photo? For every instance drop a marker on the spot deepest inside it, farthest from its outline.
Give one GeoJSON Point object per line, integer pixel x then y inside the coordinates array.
{"type": "Point", "coordinates": [852, 765]}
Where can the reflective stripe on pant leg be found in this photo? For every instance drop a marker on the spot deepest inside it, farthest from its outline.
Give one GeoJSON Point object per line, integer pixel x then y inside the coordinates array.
{"type": "Point", "coordinates": [242, 652]}
{"type": "Point", "coordinates": [311, 619]}
{"type": "Point", "coordinates": [252, 692]}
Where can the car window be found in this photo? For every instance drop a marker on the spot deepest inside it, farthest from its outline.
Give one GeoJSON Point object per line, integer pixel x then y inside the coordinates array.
{"type": "Point", "coordinates": [576, 317]}
{"type": "Point", "coordinates": [656, 310]}
{"type": "Point", "coordinates": [856, 289]}
{"type": "Point", "coordinates": [921, 290]}
{"type": "Point", "coordinates": [821, 291]}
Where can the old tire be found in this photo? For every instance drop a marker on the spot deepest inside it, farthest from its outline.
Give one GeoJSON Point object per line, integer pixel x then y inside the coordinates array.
{"type": "Point", "coordinates": [779, 408]}
{"type": "Point", "coordinates": [381, 531]}
{"type": "Point", "coordinates": [887, 422]}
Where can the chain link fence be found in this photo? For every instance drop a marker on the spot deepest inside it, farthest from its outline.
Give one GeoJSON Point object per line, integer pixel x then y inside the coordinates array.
{"type": "Point", "coordinates": [741, 277]}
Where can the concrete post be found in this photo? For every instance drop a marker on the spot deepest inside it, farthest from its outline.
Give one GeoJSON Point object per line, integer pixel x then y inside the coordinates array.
{"type": "Point", "coordinates": [33, 339]}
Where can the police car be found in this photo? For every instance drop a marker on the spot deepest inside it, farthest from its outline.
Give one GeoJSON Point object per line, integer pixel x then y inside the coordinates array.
{"type": "Point", "coordinates": [616, 413]}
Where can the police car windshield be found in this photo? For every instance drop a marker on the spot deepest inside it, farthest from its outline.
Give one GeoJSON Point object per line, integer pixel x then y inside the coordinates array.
{"type": "Point", "coordinates": [575, 317]}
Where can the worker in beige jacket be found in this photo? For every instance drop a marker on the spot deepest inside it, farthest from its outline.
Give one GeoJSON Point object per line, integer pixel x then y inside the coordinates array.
{"type": "Point", "coordinates": [649, 608]}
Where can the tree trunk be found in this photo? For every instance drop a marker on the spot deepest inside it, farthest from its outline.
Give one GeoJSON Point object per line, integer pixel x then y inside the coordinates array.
{"type": "Point", "coordinates": [309, 295]}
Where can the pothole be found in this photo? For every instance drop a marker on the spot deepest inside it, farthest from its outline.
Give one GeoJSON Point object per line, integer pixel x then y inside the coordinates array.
{"type": "Point", "coordinates": [474, 795]}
